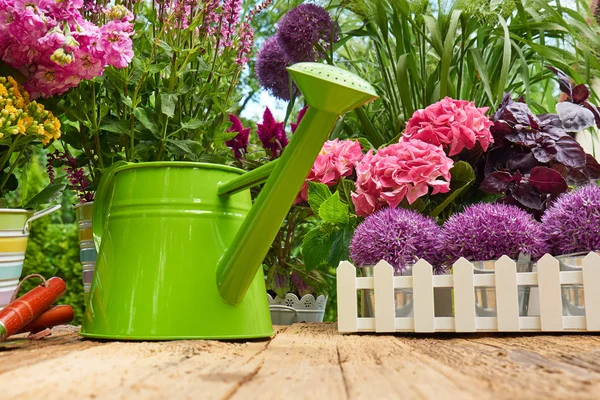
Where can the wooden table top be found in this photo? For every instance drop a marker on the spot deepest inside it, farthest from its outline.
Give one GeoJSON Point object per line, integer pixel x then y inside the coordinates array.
{"type": "Point", "coordinates": [306, 361]}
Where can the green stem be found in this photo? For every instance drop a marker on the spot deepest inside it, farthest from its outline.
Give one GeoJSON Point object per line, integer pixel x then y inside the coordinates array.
{"type": "Point", "coordinates": [95, 128]}
{"type": "Point", "coordinates": [12, 168]}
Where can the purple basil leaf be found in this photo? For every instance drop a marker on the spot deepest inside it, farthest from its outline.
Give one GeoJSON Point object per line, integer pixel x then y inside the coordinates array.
{"type": "Point", "coordinates": [574, 117]}
{"type": "Point", "coordinates": [569, 152]}
{"type": "Point", "coordinates": [497, 158]}
{"type": "Point", "coordinates": [519, 114]}
{"type": "Point", "coordinates": [506, 100]}
{"type": "Point", "coordinates": [302, 287]}
{"type": "Point", "coordinates": [522, 162]}
{"type": "Point", "coordinates": [523, 138]}
{"type": "Point", "coordinates": [563, 80]}
{"type": "Point", "coordinates": [521, 99]}
{"type": "Point", "coordinates": [525, 194]}
{"type": "Point", "coordinates": [547, 180]}
{"type": "Point", "coordinates": [496, 182]}
{"type": "Point", "coordinates": [501, 129]}
{"type": "Point", "coordinates": [580, 93]}
{"type": "Point", "coordinates": [545, 153]}
{"type": "Point", "coordinates": [576, 177]}
{"type": "Point", "coordinates": [592, 168]}
{"type": "Point", "coordinates": [594, 111]}
{"type": "Point", "coordinates": [550, 120]}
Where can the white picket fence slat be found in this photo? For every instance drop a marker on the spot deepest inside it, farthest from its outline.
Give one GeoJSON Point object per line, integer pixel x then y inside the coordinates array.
{"type": "Point", "coordinates": [505, 280]}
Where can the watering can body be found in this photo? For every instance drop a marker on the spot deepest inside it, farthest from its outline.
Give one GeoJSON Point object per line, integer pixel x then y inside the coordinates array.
{"type": "Point", "coordinates": [161, 229]}
{"type": "Point", "coordinates": [180, 245]}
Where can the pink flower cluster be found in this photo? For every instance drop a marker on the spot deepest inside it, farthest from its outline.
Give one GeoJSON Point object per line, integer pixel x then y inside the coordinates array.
{"type": "Point", "coordinates": [336, 159]}
{"type": "Point", "coordinates": [402, 170]}
{"type": "Point", "coordinates": [453, 124]}
{"type": "Point", "coordinates": [55, 47]}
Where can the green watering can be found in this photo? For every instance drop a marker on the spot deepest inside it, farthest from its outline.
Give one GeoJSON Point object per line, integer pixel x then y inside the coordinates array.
{"type": "Point", "coordinates": [180, 244]}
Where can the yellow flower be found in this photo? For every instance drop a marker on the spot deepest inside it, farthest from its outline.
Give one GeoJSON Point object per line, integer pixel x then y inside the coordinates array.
{"type": "Point", "coordinates": [24, 123]}
{"type": "Point", "coordinates": [3, 91]}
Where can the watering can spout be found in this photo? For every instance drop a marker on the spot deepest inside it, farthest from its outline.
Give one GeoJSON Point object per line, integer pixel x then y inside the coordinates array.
{"type": "Point", "coordinates": [329, 92]}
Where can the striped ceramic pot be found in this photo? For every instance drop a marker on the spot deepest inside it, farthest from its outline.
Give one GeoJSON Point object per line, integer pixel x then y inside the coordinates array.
{"type": "Point", "coordinates": [87, 250]}
{"type": "Point", "coordinates": [14, 234]}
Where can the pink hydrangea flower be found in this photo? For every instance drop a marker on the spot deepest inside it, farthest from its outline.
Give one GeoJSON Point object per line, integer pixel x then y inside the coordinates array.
{"type": "Point", "coordinates": [453, 124]}
{"type": "Point", "coordinates": [335, 160]}
{"type": "Point", "coordinates": [403, 170]}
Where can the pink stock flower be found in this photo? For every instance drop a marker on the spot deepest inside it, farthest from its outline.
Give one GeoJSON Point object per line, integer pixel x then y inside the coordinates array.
{"type": "Point", "coordinates": [403, 170]}
{"type": "Point", "coordinates": [453, 124]}
{"type": "Point", "coordinates": [52, 44]}
{"type": "Point", "coordinates": [335, 160]}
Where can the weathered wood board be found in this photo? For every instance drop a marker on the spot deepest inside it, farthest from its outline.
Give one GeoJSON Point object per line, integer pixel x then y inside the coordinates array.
{"type": "Point", "coordinates": [306, 361]}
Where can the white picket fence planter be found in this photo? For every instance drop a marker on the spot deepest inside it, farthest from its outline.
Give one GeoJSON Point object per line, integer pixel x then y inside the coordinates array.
{"type": "Point", "coordinates": [463, 281]}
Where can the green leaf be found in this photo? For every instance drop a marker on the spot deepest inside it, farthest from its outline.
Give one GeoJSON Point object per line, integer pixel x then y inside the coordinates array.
{"type": "Point", "coordinates": [462, 177]}
{"type": "Point", "coordinates": [340, 245]}
{"type": "Point", "coordinates": [435, 35]}
{"type": "Point", "coordinates": [506, 58]}
{"type": "Point", "coordinates": [278, 280]}
{"type": "Point", "coordinates": [116, 126]}
{"type": "Point", "coordinates": [317, 194]}
{"type": "Point", "coordinates": [167, 104]}
{"type": "Point", "coordinates": [402, 76]}
{"type": "Point", "coordinates": [448, 54]}
{"type": "Point", "coordinates": [480, 67]}
{"type": "Point", "coordinates": [315, 248]}
{"type": "Point", "coordinates": [142, 116]}
{"type": "Point", "coordinates": [185, 146]}
{"type": "Point", "coordinates": [333, 210]}
{"type": "Point", "coordinates": [382, 20]}
{"type": "Point", "coordinates": [193, 124]}
{"type": "Point", "coordinates": [51, 193]}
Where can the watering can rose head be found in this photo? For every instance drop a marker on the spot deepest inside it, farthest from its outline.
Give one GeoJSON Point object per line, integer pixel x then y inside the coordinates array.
{"type": "Point", "coordinates": [403, 170]}
{"type": "Point", "coordinates": [488, 231]}
{"type": "Point", "coordinates": [572, 223]}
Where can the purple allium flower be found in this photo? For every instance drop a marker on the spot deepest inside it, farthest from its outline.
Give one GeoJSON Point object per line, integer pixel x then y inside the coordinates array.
{"type": "Point", "coordinates": [271, 70]}
{"type": "Point", "coordinates": [272, 134]}
{"type": "Point", "coordinates": [488, 231]}
{"type": "Point", "coordinates": [572, 223]}
{"type": "Point", "coordinates": [239, 143]}
{"type": "Point", "coordinates": [298, 119]}
{"type": "Point", "coordinates": [398, 236]}
{"type": "Point", "coordinates": [302, 28]}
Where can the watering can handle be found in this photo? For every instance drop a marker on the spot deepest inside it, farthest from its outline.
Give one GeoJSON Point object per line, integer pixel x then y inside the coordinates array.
{"type": "Point", "coordinates": [40, 214]}
{"type": "Point", "coordinates": [101, 204]}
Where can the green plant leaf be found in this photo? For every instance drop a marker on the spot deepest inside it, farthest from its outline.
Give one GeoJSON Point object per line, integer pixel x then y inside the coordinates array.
{"type": "Point", "coordinates": [448, 54]}
{"type": "Point", "coordinates": [462, 177]}
{"type": "Point", "coordinates": [315, 248]}
{"type": "Point", "coordinates": [317, 194]}
{"type": "Point", "coordinates": [142, 116]}
{"type": "Point", "coordinates": [278, 280]}
{"type": "Point", "coordinates": [167, 104]}
{"type": "Point", "coordinates": [333, 210]}
{"type": "Point", "coordinates": [50, 193]}
{"type": "Point", "coordinates": [402, 76]}
{"type": "Point", "coordinates": [340, 245]}
{"type": "Point", "coordinates": [506, 61]}
{"type": "Point", "coordinates": [435, 35]}
{"type": "Point", "coordinates": [116, 126]}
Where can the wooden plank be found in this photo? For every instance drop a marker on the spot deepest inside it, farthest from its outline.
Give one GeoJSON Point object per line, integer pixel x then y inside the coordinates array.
{"type": "Point", "coordinates": [464, 296]}
{"type": "Point", "coordinates": [591, 283]}
{"type": "Point", "coordinates": [550, 295]}
{"type": "Point", "coordinates": [347, 302]}
{"type": "Point", "coordinates": [302, 362]}
{"type": "Point", "coordinates": [385, 311]}
{"type": "Point", "coordinates": [424, 311]}
{"type": "Point", "coordinates": [507, 301]}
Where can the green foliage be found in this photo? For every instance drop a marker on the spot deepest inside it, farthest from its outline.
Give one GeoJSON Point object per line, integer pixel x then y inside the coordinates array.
{"type": "Point", "coordinates": [415, 53]}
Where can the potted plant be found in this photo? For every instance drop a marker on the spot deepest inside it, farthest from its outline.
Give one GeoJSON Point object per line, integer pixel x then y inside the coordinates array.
{"type": "Point", "coordinates": [485, 232]}
{"type": "Point", "coordinates": [401, 237]}
{"type": "Point", "coordinates": [571, 229]}
{"type": "Point", "coordinates": [24, 124]}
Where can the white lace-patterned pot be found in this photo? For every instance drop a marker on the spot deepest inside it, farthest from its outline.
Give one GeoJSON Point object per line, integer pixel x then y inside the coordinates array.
{"type": "Point", "coordinates": [291, 309]}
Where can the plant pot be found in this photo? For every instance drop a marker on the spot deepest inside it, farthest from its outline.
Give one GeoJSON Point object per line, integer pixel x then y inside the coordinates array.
{"type": "Point", "coordinates": [14, 235]}
{"type": "Point", "coordinates": [573, 299]}
{"type": "Point", "coordinates": [291, 309]}
{"type": "Point", "coordinates": [403, 298]}
{"type": "Point", "coordinates": [87, 250]}
{"type": "Point", "coordinates": [485, 297]}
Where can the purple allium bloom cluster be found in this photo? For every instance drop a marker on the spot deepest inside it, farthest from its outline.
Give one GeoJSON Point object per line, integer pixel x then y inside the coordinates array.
{"type": "Point", "coordinates": [488, 231]}
{"type": "Point", "coordinates": [239, 143]}
{"type": "Point", "coordinates": [572, 223]}
{"type": "Point", "coordinates": [272, 134]}
{"type": "Point", "coordinates": [302, 28]}
{"type": "Point", "coordinates": [271, 70]}
{"type": "Point", "coordinates": [397, 235]}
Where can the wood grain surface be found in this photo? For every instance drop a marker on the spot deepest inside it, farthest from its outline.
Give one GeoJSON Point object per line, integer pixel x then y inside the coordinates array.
{"type": "Point", "coordinates": [306, 361]}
